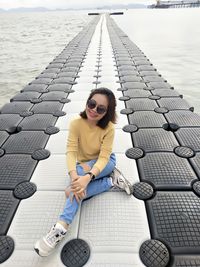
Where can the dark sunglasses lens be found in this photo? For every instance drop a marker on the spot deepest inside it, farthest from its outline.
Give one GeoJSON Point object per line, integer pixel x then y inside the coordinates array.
{"type": "Point", "coordinates": [101, 110]}
{"type": "Point", "coordinates": [91, 103]}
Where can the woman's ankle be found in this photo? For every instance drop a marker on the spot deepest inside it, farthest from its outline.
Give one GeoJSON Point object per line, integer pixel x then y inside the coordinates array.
{"type": "Point", "coordinates": [64, 224]}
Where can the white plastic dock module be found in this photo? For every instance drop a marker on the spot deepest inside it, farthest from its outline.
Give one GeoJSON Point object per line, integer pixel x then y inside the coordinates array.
{"type": "Point", "coordinates": [113, 224]}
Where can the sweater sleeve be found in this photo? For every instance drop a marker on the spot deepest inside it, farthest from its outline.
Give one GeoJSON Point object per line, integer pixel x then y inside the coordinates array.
{"type": "Point", "coordinates": [72, 146]}
{"type": "Point", "coordinates": [106, 149]}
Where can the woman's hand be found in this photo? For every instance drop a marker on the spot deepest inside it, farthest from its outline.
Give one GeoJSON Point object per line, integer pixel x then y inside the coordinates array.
{"type": "Point", "coordinates": [74, 175]}
{"type": "Point", "coordinates": [71, 195]}
{"type": "Point", "coordinates": [79, 185]}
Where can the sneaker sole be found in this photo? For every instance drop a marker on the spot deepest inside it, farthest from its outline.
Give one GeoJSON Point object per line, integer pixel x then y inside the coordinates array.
{"type": "Point", "coordinates": [39, 251]}
{"type": "Point", "coordinates": [128, 191]}
{"type": "Point", "coordinates": [128, 188]}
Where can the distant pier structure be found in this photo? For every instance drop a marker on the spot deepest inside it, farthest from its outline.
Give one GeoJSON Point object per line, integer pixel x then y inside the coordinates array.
{"type": "Point", "coordinates": [175, 4]}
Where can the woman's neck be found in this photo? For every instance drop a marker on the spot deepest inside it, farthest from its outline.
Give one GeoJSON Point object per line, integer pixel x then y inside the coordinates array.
{"type": "Point", "coordinates": [91, 123]}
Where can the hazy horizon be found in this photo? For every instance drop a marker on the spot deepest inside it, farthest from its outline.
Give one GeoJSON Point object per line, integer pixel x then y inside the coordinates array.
{"type": "Point", "coordinates": [63, 4]}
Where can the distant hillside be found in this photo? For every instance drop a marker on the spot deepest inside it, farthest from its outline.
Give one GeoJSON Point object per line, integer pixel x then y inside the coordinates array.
{"type": "Point", "coordinates": [121, 6]}
{"type": "Point", "coordinates": [26, 9]}
{"type": "Point", "coordinates": [44, 9]}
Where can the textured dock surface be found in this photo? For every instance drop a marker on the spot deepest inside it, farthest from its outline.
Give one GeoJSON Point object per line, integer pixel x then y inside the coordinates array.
{"type": "Point", "coordinates": [157, 149]}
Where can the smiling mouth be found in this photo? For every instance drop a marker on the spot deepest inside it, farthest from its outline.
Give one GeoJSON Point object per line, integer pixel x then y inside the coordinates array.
{"type": "Point", "coordinates": [92, 114]}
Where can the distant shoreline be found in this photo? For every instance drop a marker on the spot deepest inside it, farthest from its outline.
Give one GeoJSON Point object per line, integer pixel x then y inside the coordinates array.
{"type": "Point", "coordinates": [43, 9]}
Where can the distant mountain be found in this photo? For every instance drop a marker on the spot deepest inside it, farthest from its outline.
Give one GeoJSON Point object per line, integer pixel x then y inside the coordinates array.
{"type": "Point", "coordinates": [121, 6]}
{"type": "Point", "coordinates": [44, 9]}
{"type": "Point", "coordinates": [26, 9]}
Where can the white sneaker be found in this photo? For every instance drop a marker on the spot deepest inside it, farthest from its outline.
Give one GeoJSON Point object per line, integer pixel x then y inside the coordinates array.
{"type": "Point", "coordinates": [120, 181]}
{"type": "Point", "coordinates": [46, 244]}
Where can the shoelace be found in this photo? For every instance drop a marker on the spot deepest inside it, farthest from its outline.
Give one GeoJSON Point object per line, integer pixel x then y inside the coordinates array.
{"type": "Point", "coordinates": [55, 236]}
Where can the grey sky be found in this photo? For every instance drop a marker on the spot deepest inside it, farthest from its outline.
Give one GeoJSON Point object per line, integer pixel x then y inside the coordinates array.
{"type": "Point", "coordinates": [6, 4]}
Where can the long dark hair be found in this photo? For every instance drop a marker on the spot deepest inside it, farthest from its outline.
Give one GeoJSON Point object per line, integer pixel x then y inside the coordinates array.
{"type": "Point", "coordinates": [111, 113]}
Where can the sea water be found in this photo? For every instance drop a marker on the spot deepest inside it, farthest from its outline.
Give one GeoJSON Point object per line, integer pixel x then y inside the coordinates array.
{"type": "Point", "coordinates": [170, 38]}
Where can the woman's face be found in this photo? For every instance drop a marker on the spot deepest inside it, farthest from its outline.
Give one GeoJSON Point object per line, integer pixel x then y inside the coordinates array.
{"type": "Point", "coordinates": [98, 104]}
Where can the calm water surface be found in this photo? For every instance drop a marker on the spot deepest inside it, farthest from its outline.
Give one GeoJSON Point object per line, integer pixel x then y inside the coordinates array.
{"type": "Point", "coordinates": [29, 41]}
{"type": "Point", "coordinates": [170, 39]}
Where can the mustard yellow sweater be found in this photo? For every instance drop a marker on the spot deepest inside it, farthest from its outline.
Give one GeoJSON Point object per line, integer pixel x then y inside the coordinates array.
{"type": "Point", "coordinates": [86, 142]}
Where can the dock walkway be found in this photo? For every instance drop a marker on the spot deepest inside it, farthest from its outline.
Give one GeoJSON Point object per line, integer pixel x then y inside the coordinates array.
{"type": "Point", "coordinates": [157, 149]}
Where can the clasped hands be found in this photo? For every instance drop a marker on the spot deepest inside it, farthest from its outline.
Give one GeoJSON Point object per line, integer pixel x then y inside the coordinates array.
{"type": "Point", "coordinates": [78, 187]}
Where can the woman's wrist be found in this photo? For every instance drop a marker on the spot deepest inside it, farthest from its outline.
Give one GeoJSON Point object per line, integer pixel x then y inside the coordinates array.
{"type": "Point", "coordinates": [87, 177]}
{"type": "Point", "coordinates": [73, 175]}
{"type": "Point", "coordinates": [95, 171]}
{"type": "Point", "coordinates": [90, 175]}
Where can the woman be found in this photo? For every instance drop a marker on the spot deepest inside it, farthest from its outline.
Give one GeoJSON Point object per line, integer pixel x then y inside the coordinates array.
{"type": "Point", "coordinates": [90, 162]}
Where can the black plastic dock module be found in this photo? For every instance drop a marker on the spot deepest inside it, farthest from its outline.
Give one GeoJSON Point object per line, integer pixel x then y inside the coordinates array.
{"type": "Point", "coordinates": [26, 125]}
{"type": "Point", "coordinates": [165, 134]}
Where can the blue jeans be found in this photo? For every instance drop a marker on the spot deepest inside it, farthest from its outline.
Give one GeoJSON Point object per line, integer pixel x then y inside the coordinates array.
{"type": "Point", "coordinates": [100, 184]}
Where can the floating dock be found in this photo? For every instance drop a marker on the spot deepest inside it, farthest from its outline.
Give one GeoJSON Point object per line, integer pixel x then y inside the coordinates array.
{"type": "Point", "coordinates": [175, 4]}
{"type": "Point", "coordinates": [157, 145]}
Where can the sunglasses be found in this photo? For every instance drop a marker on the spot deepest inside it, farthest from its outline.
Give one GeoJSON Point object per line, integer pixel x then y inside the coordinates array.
{"type": "Point", "coordinates": [91, 103]}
